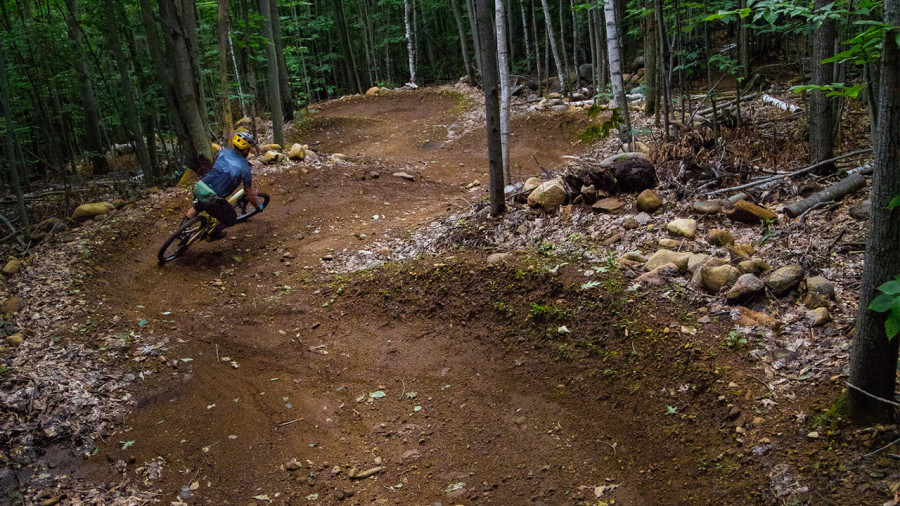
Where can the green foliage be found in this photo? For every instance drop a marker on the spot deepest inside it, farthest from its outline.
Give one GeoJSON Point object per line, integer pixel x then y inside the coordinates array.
{"type": "Point", "coordinates": [834, 90]}
{"type": "Point", "coordinates": [894, 203]}
{"type": "Point", "coordinates": [889, 302]}
{"type": "Point", "coordinates": [735, 339]}
{"type": "Point", "coordinates": [601, 131]}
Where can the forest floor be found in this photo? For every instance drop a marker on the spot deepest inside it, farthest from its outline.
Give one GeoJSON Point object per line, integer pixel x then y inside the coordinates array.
{"type": "Point", "coordinates": [258, 372]}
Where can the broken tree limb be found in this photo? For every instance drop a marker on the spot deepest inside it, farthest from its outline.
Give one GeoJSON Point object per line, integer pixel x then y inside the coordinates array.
{"type": "Point", "coordinates": [835, 192]}
{"type": "Point", "coordinates": [781, 104]}
{"type": "Point", "coordinates": [804, 170]}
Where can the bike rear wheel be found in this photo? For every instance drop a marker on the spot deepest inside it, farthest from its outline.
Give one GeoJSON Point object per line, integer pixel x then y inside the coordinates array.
{"type": "Point", "coordinates": [244, 210]}
{"type": "Point", "coordinates": [181, 239]}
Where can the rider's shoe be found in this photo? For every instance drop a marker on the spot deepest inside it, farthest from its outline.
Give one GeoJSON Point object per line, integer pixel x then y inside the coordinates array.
{"type": "Point", "coordinates": [216, 235]}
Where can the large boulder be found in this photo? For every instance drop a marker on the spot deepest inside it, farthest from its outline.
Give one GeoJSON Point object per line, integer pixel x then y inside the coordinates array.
{"type": "Point", "coordinates": [88, 211]}
{"type": "Point", "coordinates": [549, 195]}
{"type": "Point", "coordinates": [783, 280]}
{"type": "Point", "coordinates": [820, 286]}
{"type": "Point", "coordinates": [530, 184]}
{"type": "Point", "coordinates": [633, 171]}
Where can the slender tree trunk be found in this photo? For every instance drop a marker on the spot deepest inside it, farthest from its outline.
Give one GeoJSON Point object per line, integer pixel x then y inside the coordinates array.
{"type": "Point", "coordinates": [660, 26]}
{"type": "Point", "coordinates": [651, 66]}
{"type": "Point", "coordinates": [410, 43]}
{"type": "Point", "coordinates": [93, 139]}
{"type": "Point", "coordinates": [344, 35]}
{"type": "Point", "coordinates": [462, 39]}
{"type": "Point", "coordinates": [284, 84]}
{"type": "Point", "coordinates": [491, 103]}
{"type": "Point", "coordinates": [131, 112]}
{"type": "Point", "coordinates": [743, 44]}
{"type": "Point", "coordinates": [525, 32]}
{"type": "Point", "coordinates": [592, 39]}
{"type": "Point", "coordinates": [227, 121]}
{"type": "Point", "coordinates": [821, 108]}
{"type": "Point", "coordinates": [9, 136]}
{"type": "Point", "coordinates": [537, 50]}
{"type": "Point", "coordinates": [562, 42]}
{"type": "Point", "coordinates": [273, 82]}
{"type": "Point", "coordinates": [473, 24]}
{"type": "Point", "coordinates": [615, 70]}
{"type": "Point", "coordinates": [560, 67]}
{"type": "Point", "coordinates": [503, 63]}
{"type": "Point", "coordinates": [873, 358]}
{"type": "Point", "coordinates": [575, 43]}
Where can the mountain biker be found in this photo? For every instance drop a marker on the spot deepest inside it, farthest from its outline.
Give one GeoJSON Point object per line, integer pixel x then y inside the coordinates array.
{"type": "Point", "coordinates": [230, 170]}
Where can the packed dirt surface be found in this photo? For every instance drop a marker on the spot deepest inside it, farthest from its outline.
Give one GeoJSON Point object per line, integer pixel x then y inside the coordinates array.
{"type": "Point", "coordinates": [440, 380]}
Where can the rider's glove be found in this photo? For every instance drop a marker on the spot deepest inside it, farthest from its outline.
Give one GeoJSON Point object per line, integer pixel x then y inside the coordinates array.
{"type": "Point", "coordinates": [260, 208]}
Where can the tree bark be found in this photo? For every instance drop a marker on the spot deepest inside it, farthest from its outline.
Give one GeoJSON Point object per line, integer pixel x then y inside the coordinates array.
{"type": "Point", "coordinates": [614, 51]}
{"type": "Point", "coordinates": [491, 103]}
{"type": "Point", "coordinates": [344, 36]}
{"type": "Point", "coordinates": [525, 32]}
{"type": "Point", "coordinates": [227, 121]}
{"type": "Point", "coordinates": [93, 139]}
{"type": "Point", "coordinates": [821, 108]}
{"type": "Point", "coordinates": [462, 39]}
{"type": "Point", "coordinates": [273, 83]}
{"type": "Point", "coordinates": [284, 84]}
{"type": "Point", "coordinates": [651, 65]}
{"type": "Point", "coordinates": [473, 24]}
{"type": "Point", "coordinates": [873, 358]}
{"type": "Point", "coordinates": [131, 113]}
{"type": "Point", "coordinates": [503, 64]}
{"type": "Point", "coordinates": [560, 67]}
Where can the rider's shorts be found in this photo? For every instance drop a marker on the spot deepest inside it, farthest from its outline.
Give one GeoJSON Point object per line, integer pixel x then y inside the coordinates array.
{"type": "Point", "coordinates": [219, 209]}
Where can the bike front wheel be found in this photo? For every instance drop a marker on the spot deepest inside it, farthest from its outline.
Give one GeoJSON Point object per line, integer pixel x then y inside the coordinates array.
{"type": "Point", "coordinates": [181, 239]}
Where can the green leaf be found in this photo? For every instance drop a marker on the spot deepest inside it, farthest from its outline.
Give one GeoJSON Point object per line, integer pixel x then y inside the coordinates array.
{"type": "Point", "coordinates": [142, 323]}
{"type": "Point", "coordinates": [671, 410]}
{"type": "Point", "coordinates": [126, 444]}
{"type": "Point", "coordinates": [890, 288]}
{"type": "Point", "coordinates": [892, 324]}
{"type": "Point", "coordinates": [589, 285]}
{"type": "Point", "coordinates": [882, 303]}
{"type": "Point", "coordinates": [378, 394]}
{"type": "Point", "coordinates": [895, 202]}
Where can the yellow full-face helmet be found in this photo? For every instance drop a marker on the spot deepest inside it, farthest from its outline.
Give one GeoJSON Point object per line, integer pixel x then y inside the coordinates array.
{"type": "Point", "coordinates": [243, 141]}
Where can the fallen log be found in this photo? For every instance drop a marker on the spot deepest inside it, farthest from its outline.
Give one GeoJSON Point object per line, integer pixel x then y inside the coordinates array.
{"type": "Point", "coordinates": [837, 191]}
{"type": "Point", "coordinates": [804, 170]}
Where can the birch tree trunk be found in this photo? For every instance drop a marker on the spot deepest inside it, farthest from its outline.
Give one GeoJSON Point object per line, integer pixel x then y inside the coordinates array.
{"type": "Point", "coordinates": [560, 67]}
{"type": "Point", "coordinates": [93, 139]}
{"type": "Point", "coordinates": [273, 83]}
{"type": "Point", "coordinates": [615, 70]}
{"type": "Point", "coordinates": [410, 43]}
{"type": "Point", "coordinates": [491, 103]}
{"type": "Point", "coordinates": [503, 63]}
{"type": "Point", "coordinates": [525, 32]}
{"type": "Point", "coordinates": [873, 358]}
{"type": "Point", "coordinates": [227, 121]}
{"type": "Point", "coordinates": [127, 90]}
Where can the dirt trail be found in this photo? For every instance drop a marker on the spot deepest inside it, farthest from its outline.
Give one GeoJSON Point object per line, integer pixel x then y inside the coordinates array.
{"type": "Point", "coordinates": [267, 362]}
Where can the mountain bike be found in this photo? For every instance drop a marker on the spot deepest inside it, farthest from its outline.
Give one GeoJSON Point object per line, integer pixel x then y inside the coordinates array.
{"type": "Point", "coordinates": [199, 227]}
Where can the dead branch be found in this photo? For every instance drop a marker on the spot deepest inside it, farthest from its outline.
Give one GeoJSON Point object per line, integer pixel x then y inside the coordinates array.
{"type": "Point", "coordinates": [804, 170]}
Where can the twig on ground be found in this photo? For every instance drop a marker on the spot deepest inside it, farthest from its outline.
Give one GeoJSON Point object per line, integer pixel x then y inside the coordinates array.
{"type": "Point", "coordinates": [873, 396]}
{"type": "Point", "coordinates": [404, 388]}
{"type": "Point", "coordinates": [892, 443]}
